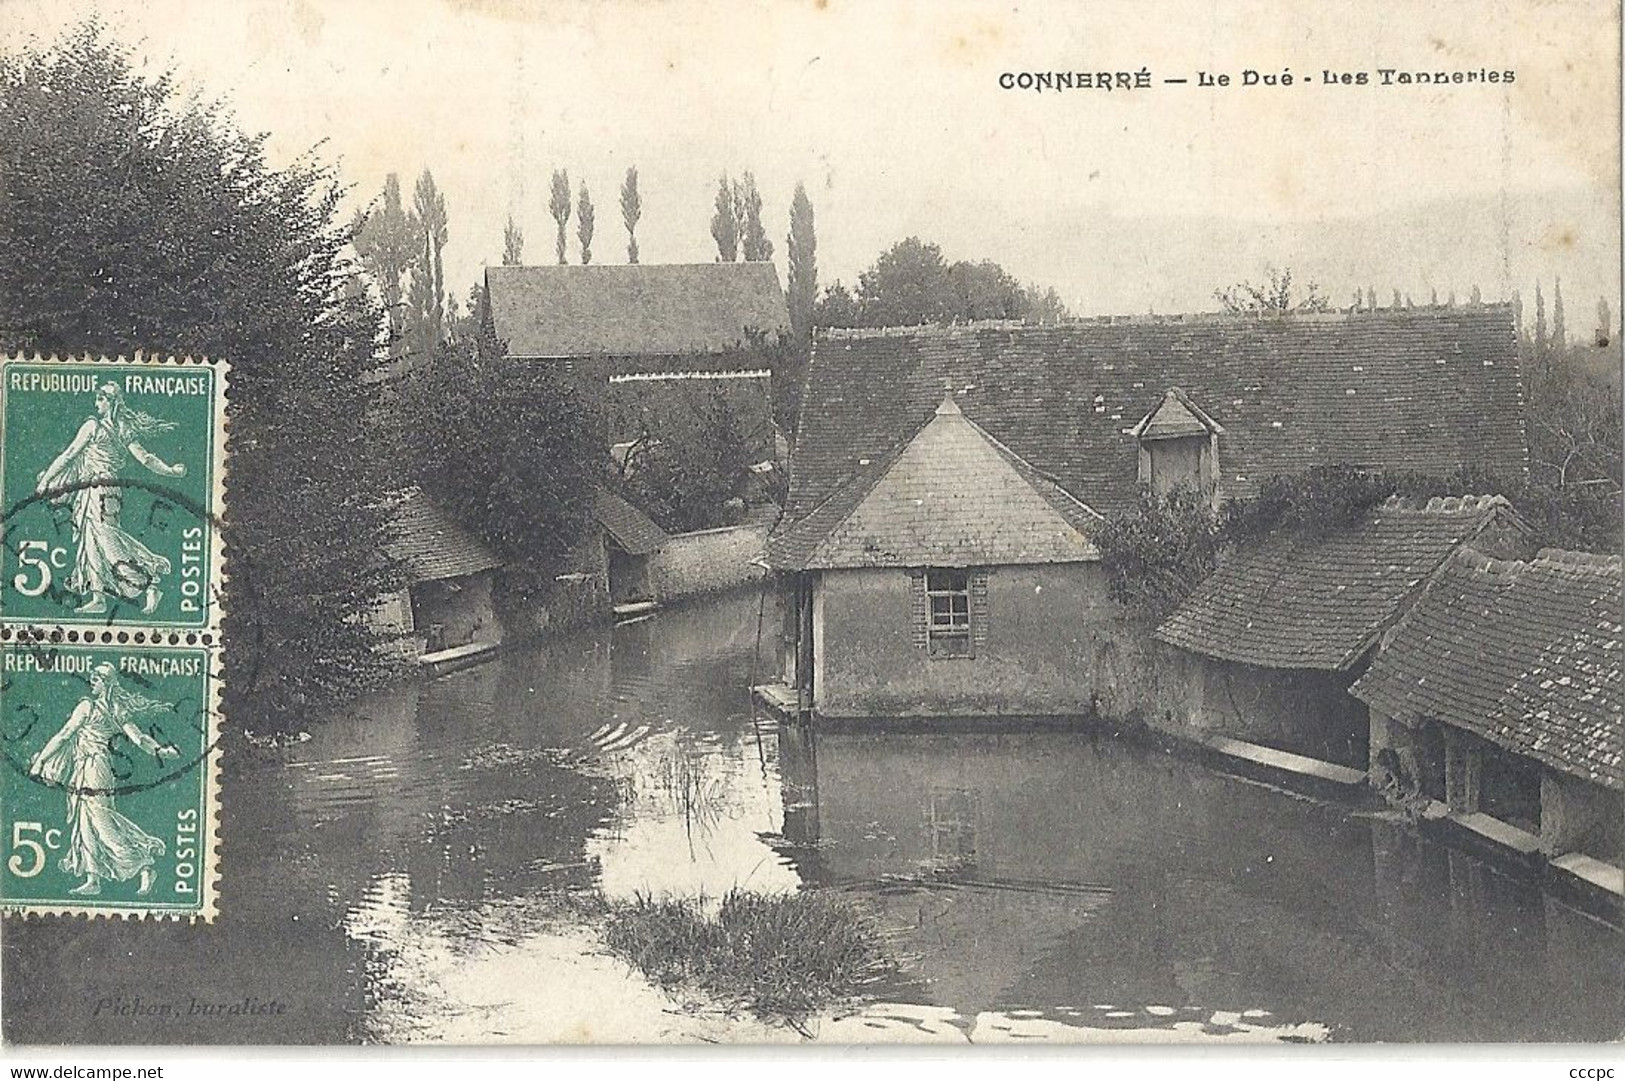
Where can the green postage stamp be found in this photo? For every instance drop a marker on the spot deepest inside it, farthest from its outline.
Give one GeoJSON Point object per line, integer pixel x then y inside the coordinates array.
{"type": "Point", "coordinates": [111, 479]}
{"type": "Point", "coordinates": [112, 475]}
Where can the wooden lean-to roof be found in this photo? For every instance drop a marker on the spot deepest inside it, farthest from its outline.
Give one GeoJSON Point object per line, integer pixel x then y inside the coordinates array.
{"type": "Point", "coordinates": [635, 532]}
{"type": "Point", "coordinates": [1524, 653]}
{"type": "Point", "coordinates": [430, 544]}
{"type": "Point", "coordinates": [1320, 600]}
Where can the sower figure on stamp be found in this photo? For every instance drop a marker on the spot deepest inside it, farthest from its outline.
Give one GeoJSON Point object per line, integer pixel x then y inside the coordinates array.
{"type": "Point", "coordinates": [102, 843]}
{"type": "Point", "coordinates": [109, 561]}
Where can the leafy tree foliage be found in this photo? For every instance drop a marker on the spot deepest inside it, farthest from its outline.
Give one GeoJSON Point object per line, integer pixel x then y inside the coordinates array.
{"type": "Point", "coordinates": [426, 301]}
{"type": "Point", "coordinates": [725, 223]}
{"type": "Point", "coordinates": [149, 221]}
{"type": "Point", "coordinates": [754, 244]}
{"type": "Point", "coordinates": [911, 283]}
{"type": "Point", "coordinates": [511, 451]}
{"type": "Point", "coordinates": [559, 206]}
{"type": "Point", "coordinates": [631, 212]}
{"type": "Point", "coordinates": [1277, 296]}
{"type": "Point", "coordinates": [688, 466]}
{"type": "Point", "coordinates": [584, 224]}
{"type": "Point", "coordinates": [386, 239]}
{"type": "Point", "coordinates": [513, 244]}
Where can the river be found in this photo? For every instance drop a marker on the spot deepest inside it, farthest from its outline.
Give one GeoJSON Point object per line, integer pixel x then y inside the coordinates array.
{"type": "Point", "coordinates": [409, 873]}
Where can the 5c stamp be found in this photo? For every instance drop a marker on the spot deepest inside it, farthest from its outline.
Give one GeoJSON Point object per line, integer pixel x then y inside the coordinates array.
{"type": "Point", "coordinates": [111, 569]}
{"type": "Point", "coordinates": [107, 788]}
{"type": "Point", "coordinates": [110, 475]}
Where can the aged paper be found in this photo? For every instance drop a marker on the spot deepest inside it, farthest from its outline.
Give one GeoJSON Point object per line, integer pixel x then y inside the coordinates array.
{"type": "Point", "coordinates": [821, 523]}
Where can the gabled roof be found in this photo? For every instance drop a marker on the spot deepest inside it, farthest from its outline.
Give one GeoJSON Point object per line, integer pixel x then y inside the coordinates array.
{"type": "Point", "coordinates": [951, 496]}
{"type": "Point", "coordinates": [1525, 654]}
{"type": "Point", "coordinates": [633, 311]}
{"type": "Point", "coordinates": [1320, 601]}
{"type": "Point", "coordinates": [634, 531]}
{"type": "Point", "coordinates": [1423, 389]}
{"type": "Point", "coordinates": [1175, 417]}
{"type": "Point", "coordinates": [432, 546]}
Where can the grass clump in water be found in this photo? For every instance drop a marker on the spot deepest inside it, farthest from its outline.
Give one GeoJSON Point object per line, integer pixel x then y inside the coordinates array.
{"type": "Point", "coordinates": [782, 955]}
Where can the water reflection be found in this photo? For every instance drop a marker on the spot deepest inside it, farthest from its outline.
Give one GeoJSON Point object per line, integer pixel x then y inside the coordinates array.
{"type": "Point", "coordinates": [411, 872]}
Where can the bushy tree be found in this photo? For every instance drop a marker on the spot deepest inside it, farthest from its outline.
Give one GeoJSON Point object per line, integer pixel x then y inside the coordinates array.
{"type": "Point", "coordinates": [511, 451]}
{"type": "Point", "coordinates": [837, 307]}
{"type": "Point", "coordinates": [137, 217]}
{"type": "Point", "coordinates": [753, 241]}
{"type": "Point", "coordinates": [1278, 297]}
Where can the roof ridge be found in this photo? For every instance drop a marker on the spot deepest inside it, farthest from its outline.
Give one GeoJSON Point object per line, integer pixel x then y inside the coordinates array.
{"type": "Point", "coordinates": [1573, 560]}
{"type": "Point", "coordinates": [1450, 504]}
{"type": "Point", "coordinates": [1341, 315]}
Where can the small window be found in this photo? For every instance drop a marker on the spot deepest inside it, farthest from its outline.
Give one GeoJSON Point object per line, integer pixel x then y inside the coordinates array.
{"type": "Point", "coordinates": [948, 595]}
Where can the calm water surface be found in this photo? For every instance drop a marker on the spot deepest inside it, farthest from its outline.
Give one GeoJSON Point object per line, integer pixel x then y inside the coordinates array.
{"type": "Point", "coordinates": [402, 875]}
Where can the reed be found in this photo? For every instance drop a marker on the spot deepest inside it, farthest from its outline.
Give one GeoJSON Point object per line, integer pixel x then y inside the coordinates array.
{"type": "Point", "coordinates": [783, 956]}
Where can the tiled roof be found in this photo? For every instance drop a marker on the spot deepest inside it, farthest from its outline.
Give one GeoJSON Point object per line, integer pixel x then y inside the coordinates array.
{"type": "Point", "coordinates": [633, 311]}
{"type": "Point", "coordinates": [430, 544]}
{"type": "Point", "coordinates": [1319, 601]}
{"type": "Point", "coordinates": [1526, 654]}
{"type": "Point", "coordinates": [630, 528]}
{"type": "Point", "coordinates": [952, 496]}
{"type": "Point", "coordinates": [1174, 417]}
{"type": "Point", "coordinates": [1425, 389]}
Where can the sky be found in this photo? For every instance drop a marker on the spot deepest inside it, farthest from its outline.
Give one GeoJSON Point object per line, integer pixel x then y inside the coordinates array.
{"type": "Point", "coordinates": [891, 113]}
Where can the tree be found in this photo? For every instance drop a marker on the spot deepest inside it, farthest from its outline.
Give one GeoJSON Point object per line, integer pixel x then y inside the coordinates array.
{"type": "Point", "coordinates": [1605, 322]}
{"type": "Point", "coordinates": [513, 454]}
{"type": "Point", "coordinates": [1276, 297]}
{"type": "Point", "coordinates": [631, 211]}
{"type": "Point", "coordinates": [801, 284]}
{"type": "Point", "coordinates": [559, 206]}
{"type": "Point", "coordinates": [584, 223]}
{"type": "Point", "coordinates": [1540, 327]}
{"type": "Point", "coordinates": [907, 285]}
{"type": "Point", "coordinates": [386, 240]}
{"type": "Point", "coordinates": [837, 307]}
{"type": "Point", "coordinates": [513, 244]}
{"type": "Point", "coordinates": [725, 223]}
{"type": "Point", "coordinates": [1560, 333]}
{"type": "Point", "coordinates": [150, 220]}
{"type": "Point", "coordinates": [1475, 297]}
{"type": "Point", "coordinates": [754, 244]}
{"type": "Point", "coordinates": [426, 301]}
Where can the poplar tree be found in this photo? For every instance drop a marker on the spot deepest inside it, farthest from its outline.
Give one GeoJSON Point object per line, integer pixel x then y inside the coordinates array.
{"type": "Point", "coordinates": [725, 223]}
{"type": "Point", "coordinates": [559, 206]}
{"type": "Point", "coordinates": [513, 244]}
{"type": "Point", "coordinates": [1560, 334]}
{"type": "Point", "coordinates": [754, 244]}
{"type": "Point", "coordinates": [427, 299]}
{"type": "Point", "coordinates": [584, 224]}
{"type": "Point", "coordinates": [631, 211]}
{"type": "Point", "coordinates": [801, 284]}
{"type": "Point", "coordinates": [386, 240]}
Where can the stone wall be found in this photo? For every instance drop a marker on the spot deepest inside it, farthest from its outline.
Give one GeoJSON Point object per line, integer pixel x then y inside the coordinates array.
{"type": "Point", "coordinates": [707, 561]}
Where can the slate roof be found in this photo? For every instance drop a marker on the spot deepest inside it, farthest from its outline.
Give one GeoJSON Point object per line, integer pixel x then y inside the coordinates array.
{"type": "Point", "coordinates": [1425, 389]}
{"type": "Point", "coordinates": [432, 546]}
{"type": "Point", "coordinates": [633, 311]}
{"type": "Point", "coordinates": [1313, 601]}
{"type": "Point", "coordinates": [634, 531]}
{"type": "Point", "coordinates": [952, 496]}
{"type": "Point", "coordinates": [1525, 654]}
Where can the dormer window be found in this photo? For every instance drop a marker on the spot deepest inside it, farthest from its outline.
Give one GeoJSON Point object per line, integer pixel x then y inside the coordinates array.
{"type": "Point", "coordinates": [1179, 447]}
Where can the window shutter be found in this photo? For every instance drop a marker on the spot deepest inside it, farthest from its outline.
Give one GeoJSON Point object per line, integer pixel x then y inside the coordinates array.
{"type": "Point", "coordinates": [978, 608]}
{"type": "Point", "coordinates": [921, 607]}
